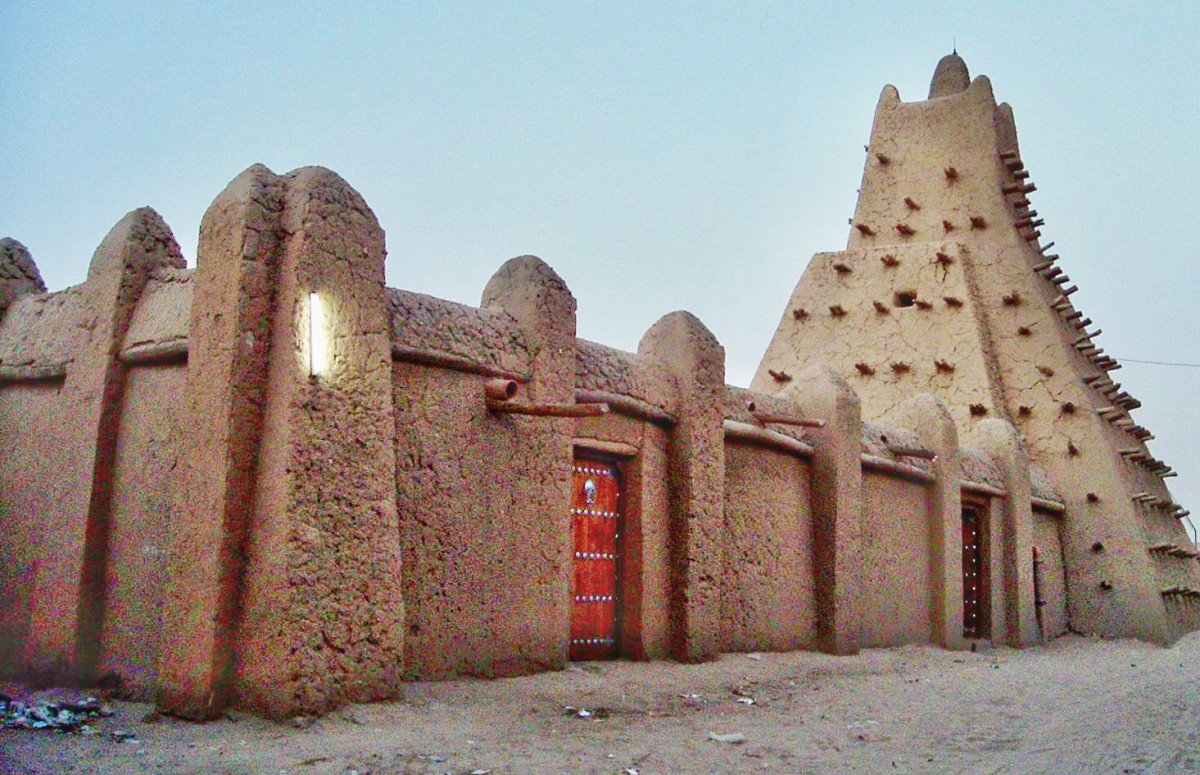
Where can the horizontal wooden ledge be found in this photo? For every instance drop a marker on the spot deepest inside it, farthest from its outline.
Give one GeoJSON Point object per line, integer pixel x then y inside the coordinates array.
{"type": "Point", "coordinates": [31, 373]}
{"type": "Point", "coordinates": [173, 351]}
{"type": "Point", "coordinates": [885, 466]}
{"type": "Point", "coordinates": [618, 448]}
{"type": "Point", "coordinates": [752, 434]}
{"type": "Point", "coordinates": [1052, 507]}
{"type": "Point", "coordinates": [444, 360]}
{"type": "Point", "coordinates": [980, 488]}
{"type": "Point", "coordinates": [626, 405]}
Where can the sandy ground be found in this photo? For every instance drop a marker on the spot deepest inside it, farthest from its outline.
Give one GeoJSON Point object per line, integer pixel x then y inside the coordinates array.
{"type": "Point", "coordinates": [1075, 706]}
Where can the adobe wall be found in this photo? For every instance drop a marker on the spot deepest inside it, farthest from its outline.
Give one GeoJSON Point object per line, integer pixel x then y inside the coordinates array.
{"type": "Point", "coordinates": [251, 529]}
{"type": "Point", "coordinates": [146, 502]}
{"type": "Point", "coordinates": [1052, 600]}
{"type": "Point", "coordinates": [28, 479]}
{"type": "Point", "coordinates": [896, 586]}
{"type": "Point", "coordinates": [478, 542]}
{"type": "Point", "coordinates": [768, 580]}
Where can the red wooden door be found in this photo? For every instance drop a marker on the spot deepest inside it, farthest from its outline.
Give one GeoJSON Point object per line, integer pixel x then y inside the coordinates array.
{"type": "Point", "coordinates": [595, 520]}
{"type": "Point", "coordinates": [975, 595]}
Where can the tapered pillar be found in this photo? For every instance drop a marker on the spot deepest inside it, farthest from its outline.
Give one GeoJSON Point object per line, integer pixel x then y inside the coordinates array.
{"type": "Point", "coordinates": [696, 478]}
{"type": "Point", "coordinates": [837, 502]}
{"type": "Point", "coordinates": [322, 612]}
{"type": "Point", "coordinates": [68, 594]}
{"type": "Point", "coordinates": [930, 418]}
{"type": "Point", "coordinates": [229, 341]}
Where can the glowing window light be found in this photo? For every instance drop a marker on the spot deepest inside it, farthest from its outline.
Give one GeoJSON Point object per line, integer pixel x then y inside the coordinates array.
{"type": "Point", "coordinates": [318, 336]}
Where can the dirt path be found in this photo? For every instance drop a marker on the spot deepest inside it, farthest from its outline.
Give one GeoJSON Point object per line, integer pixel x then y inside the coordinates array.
{"type": "Point", "coordinates": [1077, 706]}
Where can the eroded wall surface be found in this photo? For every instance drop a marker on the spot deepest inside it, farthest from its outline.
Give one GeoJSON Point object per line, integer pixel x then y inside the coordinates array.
{"type": "Point", "coordinates": [146, 502]}
{"type": "Point", "coordinates": [768, 586]}
{"type": "Point", "coordinates": [484, 532]}
{"type": "Point", "coordinates": [1053, 582]}
{"type": "Point", "coordinates": [29, 477]}
{"type": "Point", "coordinates": [895, 587]}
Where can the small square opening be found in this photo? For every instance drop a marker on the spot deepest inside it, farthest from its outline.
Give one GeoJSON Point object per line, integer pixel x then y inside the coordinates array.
{"type": "Point", "coordinates": [904, 298]}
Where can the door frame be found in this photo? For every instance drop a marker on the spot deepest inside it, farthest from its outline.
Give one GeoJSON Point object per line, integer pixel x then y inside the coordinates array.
{"type": "Point", "coordinates": [628, 627]}
{"type": "Point", "coordinates": [983, 515]}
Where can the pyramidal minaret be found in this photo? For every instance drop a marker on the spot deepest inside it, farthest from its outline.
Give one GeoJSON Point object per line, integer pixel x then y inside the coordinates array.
{"type": "Point", "coordinates": [945, 287]}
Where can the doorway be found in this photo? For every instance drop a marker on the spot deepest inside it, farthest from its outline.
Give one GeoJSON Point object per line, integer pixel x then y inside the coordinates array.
{"type": "Point", "coordinates": [976, 582]}
{"type": "Point", "coordinates": [596, 533]}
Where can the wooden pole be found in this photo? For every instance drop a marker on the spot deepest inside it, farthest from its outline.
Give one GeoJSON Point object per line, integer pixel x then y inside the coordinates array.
{"type": "Point", "coordinates": [783, 419]}
{"type": "Point", "coordinates": [548, 410]}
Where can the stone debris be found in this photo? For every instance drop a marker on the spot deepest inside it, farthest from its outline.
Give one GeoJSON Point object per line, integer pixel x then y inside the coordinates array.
{"type": "Point", "coordinates": [64, 716]}
{"type": "Point", "coordinates": [734, 738]}
{"type": "Point", "coordinates": [595, 713]}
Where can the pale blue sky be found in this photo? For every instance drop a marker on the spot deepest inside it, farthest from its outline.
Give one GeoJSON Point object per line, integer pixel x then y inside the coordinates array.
{"type": "Point", "coordinates": [659, 156]}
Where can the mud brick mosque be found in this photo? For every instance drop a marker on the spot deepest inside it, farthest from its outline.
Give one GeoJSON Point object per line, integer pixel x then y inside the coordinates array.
{"type": "Point", "coordinates": [271, 481]}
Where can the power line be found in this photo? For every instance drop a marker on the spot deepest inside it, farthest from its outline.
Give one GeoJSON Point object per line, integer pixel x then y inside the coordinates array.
{"type": "Point", "coordinates": [1160, 363]}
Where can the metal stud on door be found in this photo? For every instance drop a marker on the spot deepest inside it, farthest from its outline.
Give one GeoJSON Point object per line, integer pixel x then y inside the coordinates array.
{"type": "Point", "coordinates": [595, 525]}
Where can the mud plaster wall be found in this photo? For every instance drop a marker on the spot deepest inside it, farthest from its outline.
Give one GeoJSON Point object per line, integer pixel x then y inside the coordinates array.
{"type": "Point", "coordinates": [41, 332]}
{"type": "Point", "coordinates": [1053, 589]}
{"type": "Point", "coordinates": [896, 584]}
{"type": "Point", "coordinates": [485, 535]}
{"type": "Point", "coordinates": [768, 584]}
{"type": "Point", "coordinates": [645, 532]}
{"type": "Point", "coordinates": [28, 478]}
{"type": "Point", "coordinates": [145, 503]}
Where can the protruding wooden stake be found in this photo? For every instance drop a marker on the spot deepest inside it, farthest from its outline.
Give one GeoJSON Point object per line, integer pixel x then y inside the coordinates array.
{"type": "Point", "coordinates": [783, 419]}
{"type": "Point", "coordinates": [499, 389]}
{"type": "Point", "coordinates": [903, 451]}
